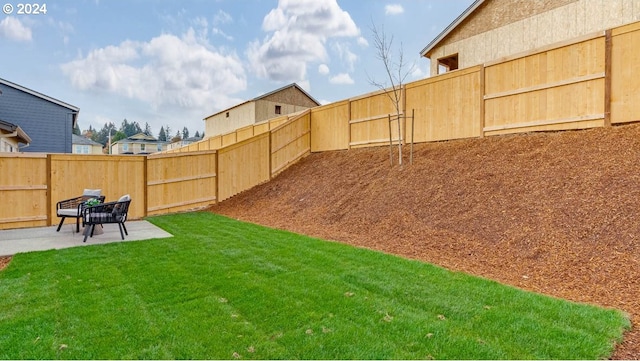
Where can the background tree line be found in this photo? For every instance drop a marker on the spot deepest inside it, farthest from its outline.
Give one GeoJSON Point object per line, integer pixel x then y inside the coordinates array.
{"type": "Point", "coordinates": [128, 129]}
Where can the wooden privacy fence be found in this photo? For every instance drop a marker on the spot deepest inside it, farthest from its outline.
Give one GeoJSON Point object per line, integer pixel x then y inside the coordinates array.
{"type": "Point", "coordinates": [32, 184]}
{"type": "Point", "coordinates": [588, 82]}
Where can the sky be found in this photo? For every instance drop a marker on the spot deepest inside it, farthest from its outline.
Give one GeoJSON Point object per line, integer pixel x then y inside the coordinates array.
{"type": "Point", "coordinates": [173, 63]}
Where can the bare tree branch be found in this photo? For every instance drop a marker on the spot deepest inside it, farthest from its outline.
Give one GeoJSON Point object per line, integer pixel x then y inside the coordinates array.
{"type": "Point", "coordinates": [396, 73]}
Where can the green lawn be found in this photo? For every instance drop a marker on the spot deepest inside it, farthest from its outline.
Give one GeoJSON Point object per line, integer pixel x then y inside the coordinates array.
{"type": "Point", "coordinates": [222, 289]}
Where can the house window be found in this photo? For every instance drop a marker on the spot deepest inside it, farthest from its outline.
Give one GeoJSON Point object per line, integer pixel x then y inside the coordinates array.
{"type": "Point", "coordinates": [278, 109]}
{"type": "Point", "coordinates": [159, 147]}
{"type": "Point", "coordinates": [125, 147]}
{"type": "Point", "coordinates": [82, 149]}
{"type": "Point", "coordinates": [142, 147]}
{"type": "Point", "coordinates": [227, 114]}
{"type": "Point", "coordinates": [448, 63]}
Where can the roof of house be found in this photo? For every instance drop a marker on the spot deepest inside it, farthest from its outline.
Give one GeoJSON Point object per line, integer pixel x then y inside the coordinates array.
{"type": "Point", "coordinates": [39, 95]}
{"type": "Point", "coordinates": [74, 109]}
{"type": "Point", "coordinates": [140, 138]}
{"type": "Point", "coordinates": [77, 139]}
{"type": "Point", "coordinates": [465, 14]}
{"type": "Point", "coordinates": [294, 85]}
{"type": "Point", "coordinates": [19, 133]}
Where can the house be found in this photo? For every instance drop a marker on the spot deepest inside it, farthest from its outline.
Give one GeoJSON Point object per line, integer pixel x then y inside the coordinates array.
{"type": "Point", "coordinates": [11, 136]}
{"type": "Point", "coordinates": [493, 29]}
{"type": "Point", "coordinates": [84, 145]}
{"type": "Point", "coordinates": [48, 121]}
{"type": "Point", "coordinates": [138, 144]}
{"type": "Point", "coordinates": [286, 100]}
{"type": "Point", "coordinates": [183, 142]}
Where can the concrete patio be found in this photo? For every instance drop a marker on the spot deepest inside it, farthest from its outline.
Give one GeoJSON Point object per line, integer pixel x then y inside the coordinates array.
{"type": "Point", "coordinates": [14, 241]}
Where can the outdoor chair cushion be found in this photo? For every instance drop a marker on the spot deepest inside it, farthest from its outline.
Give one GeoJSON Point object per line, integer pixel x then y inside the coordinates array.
{"type": "Point", "coordinates": [92, 192]}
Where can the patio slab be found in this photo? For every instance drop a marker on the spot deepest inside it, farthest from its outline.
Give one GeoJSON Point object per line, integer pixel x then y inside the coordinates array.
{"type": "Point", "coordinates": [14, 241]}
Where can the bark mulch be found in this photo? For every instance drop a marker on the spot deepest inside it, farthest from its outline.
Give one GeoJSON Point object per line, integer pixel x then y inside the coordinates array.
{"type": "Point", "coordinates": [555, 213]}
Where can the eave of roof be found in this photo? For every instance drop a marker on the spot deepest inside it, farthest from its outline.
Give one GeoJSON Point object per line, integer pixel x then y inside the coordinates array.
{"type": "Point", "coordinates": [465, 14]}
{"type": "Point", "coordinates": [40, 95]}
{"type": "Point", "coordinates": [19, 133]}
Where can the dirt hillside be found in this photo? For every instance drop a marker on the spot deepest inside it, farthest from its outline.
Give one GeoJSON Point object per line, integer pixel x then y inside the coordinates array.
{"type": "Point", "coordinates": [556, 213]}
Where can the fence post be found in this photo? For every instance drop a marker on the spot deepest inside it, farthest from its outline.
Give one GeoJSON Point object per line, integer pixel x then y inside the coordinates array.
{"type": "Point", "coordinates": [607, 77]}
{"type": "Point", "coordinates": [49, 196]}
{"type": "Point", "coordinates": [145, 178]}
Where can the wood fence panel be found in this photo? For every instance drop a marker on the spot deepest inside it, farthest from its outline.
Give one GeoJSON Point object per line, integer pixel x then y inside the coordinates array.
{"type": "Point", "coordinates": [23, 190]}
{"type": "Point", "coordinates": [181, 182]}
{"type": "Point", "coordinates": [330, 127]}
{"type": "Point", "coordinates": [229, 139]}
{"type": "Point", "coordinates": [115, 175]}
{"type": "Point", "coordinates": [260, 128]}
{"type": "Point", "coordinates": [555, 89]}
{"type": "Point", "coordinates": [244, 133]}
{"type": "Point", "coordinates": [290, 142]}
{"type": "Point", "coordinates": [446, 107]}
{"type": "Point", "coordinates": [276, 122]}
{"type": "Point", "coordinates": [243, 165]}
{"type": "Point", "coordinates": [369, 122]}
{"type": "Point", "coordinates": [625, 74]}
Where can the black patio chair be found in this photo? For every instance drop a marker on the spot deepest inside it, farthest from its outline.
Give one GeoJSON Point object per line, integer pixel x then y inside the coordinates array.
{"type": "Point", "coordinates": [110, 212]}
{"type": "Point", "coordinates": [72, 207]}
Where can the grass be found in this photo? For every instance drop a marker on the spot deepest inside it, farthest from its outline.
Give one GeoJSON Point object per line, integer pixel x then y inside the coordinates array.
{"type": "Point", "coordinates": [223, 289]}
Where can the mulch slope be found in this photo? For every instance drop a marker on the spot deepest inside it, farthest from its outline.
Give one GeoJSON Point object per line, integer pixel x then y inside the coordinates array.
{"type": "Point", "coordinates": [555, 213]}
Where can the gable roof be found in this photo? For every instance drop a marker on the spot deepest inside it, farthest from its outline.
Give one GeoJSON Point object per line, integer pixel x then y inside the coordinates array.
{"type": "Point", "coordinates": [19, 133]}
{"type": "Point", "coordinates": [77, 139]}
{"type": "Point", "coordinates": [140, 138]}
{"type": "Point", "coordinates": [292, 85]}
{"type": "Point", "coordinates": [75, 110]}
{"type": "Point", "coordinates": [465, 14]}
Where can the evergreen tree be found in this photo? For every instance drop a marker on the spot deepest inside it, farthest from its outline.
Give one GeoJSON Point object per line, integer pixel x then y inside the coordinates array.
{"type": "Point", "coordinates": [185, 133]}
{"type": "Point", "coordinates": [177, 137]}
{"type": "Point", "coordinates": [197, 134]}
{"type": "Point", "coordinates": [76, 130]}
{"type": "Point", "coordinates": [162, 136]}
{"type": "Point", "coordinates": [147, 129]}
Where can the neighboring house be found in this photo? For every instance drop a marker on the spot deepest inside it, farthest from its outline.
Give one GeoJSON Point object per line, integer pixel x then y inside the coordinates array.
{"type": "Point", "coordinates": [11, 138]}
{"type": "Point", "coordinates": [286, 100]}
{"type": "Point", "coordinates": [183, 142]}
{"type": "Point", "coordinates": [493, 29]}
{"type": "Point", "coordinates": [84, 145]}
{"type": "Point", "coordinates": [138, 144]}
{"type": "Point", "coordinates": [48, 121]}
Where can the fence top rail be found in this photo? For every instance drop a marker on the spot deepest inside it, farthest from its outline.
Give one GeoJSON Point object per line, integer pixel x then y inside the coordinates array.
{"type": "Point", "coordinates": [23, 155]}
{"type": "Point", "coordinates": [291, 120]}
{"type": "Point", "coordinates": [180, 154]}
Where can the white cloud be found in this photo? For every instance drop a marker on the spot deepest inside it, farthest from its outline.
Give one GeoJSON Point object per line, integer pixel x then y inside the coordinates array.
{"type": "Point", "coordinates": [393, 9]}
{"type": "Point", "coordinates": [221, 18]}
{"type": "Point", "coordinates": [346, 55]}
{"type": "Point", "coordinates": [13, 29]}
{"type": "Point", "coordinates": [167, 70]}
{"type": "Point", "coordinates": [342, 78]}
{"type": "Point", "coordinates": [323, 69]}
{"type": "Point", "coordinates": [298, 31]}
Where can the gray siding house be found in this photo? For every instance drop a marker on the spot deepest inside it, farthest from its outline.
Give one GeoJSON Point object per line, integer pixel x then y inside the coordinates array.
{"type": "Point", "coordinates": [48, 121]}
